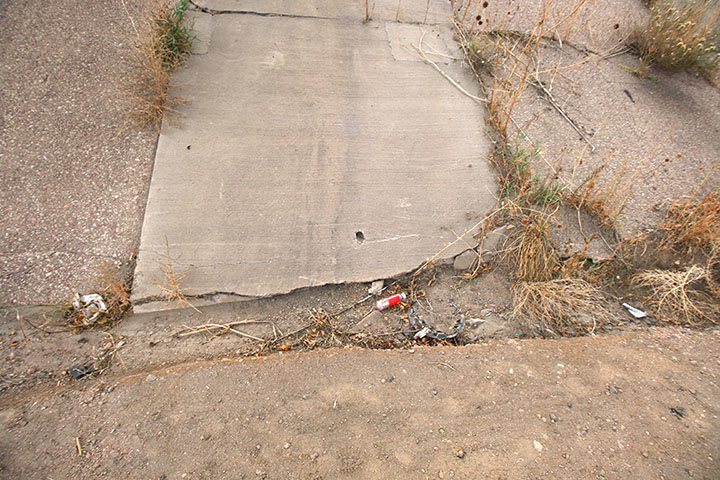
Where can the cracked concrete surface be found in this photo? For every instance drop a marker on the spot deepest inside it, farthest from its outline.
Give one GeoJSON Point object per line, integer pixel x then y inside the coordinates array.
{"type": "Point", "coordinates": [314, 151]}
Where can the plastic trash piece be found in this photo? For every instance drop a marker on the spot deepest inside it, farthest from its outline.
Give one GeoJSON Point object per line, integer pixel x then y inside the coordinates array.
{"type": "Point", "coordinates": [634, 311]}
{"type": "Point", "coordinates": [78, 371]}
{"type": "Point", "coordinates": [390, 301]}
{"type": "Point", "coordinates": [89, 307]}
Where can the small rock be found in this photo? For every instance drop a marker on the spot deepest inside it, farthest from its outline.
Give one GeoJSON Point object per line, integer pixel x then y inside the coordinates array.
{"type": "Point", "coordinates": [645, 454]}
{"type": "Point", "coordinates": [492, 241]}
{"type": "Point", "coordinates": [376, 287]}
{"type": "Point", "coordinates": [613, 390]}
{"type": "Point", "coordinates": [460, 453]}
{"type": "Point", "coordinates": [538, 446]}
{"type": "Point", "coordinates": [433, 392]}
{"type": "Point", "coordinates": [391, 379]}
{"type": "Point", "coordinates": [150, 378]}
{"type": "Point", "coordinates": [286, 446]}
{"type": "Point", "coordinates": [553, 418]}
{"type": "Point", "coordinates": [465, 260]}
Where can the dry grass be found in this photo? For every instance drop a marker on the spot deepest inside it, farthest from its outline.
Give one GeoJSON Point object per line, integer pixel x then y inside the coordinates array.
{"type": "Point", "coordinates": [170, 284]}
{"type": "Point", "coordinates": [713, 272]}
{"type": "Point", "coordinates": [694, 225]}
{"type": "Point", "coordinates": [605, 200]}
{"type": "Point", "coordinates": [677, 297]}
{"type": "Point", "coordinates": [162, 43]}
{"type": "Point", "coordinates": [532, 253]}
{"type": "Point", "coordinates": [115, 289]}
{"type": "Point", "coordinates": [566, 306]}
{"type": "Point", "coordinates": [682, 35]}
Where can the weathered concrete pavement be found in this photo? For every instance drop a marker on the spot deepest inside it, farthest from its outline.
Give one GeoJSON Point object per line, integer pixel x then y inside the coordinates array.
{"type": "Point", "coordinates": [314, 150]}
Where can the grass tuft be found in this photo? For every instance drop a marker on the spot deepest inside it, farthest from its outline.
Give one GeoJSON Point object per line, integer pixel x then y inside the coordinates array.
{"type": "Point", "coordinates": [682, 35]}
{"type": "Point", "coordinates": [161, 45]}
{"type": "Point", "coordinates": [694, 224]}
{"type": "Point", "coordinates": [677, 297]}
{"type": "Point", "coordinates": [533, 254]}
{"type": "Point", "coordinates": [566, 306]}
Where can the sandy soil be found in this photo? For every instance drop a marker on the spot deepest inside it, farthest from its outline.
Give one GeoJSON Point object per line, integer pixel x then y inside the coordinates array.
{"type": "Point", "coordinates": [641, 405]}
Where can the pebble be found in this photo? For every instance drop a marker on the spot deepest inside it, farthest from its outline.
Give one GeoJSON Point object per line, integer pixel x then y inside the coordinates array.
{"type": "Point", "coordinates": [433, 392]}
{"type": "Point", "coordinates": [553, 417]}
{"type": "Point", "coordinates": [460, 453]}
{"type": "Point", "coordinates": [538, 446]}
{"type": "Point", "coordinates": [613, 390]}
{"type": "Point", "coordinates": [150, 378]}
{"type": "Point", "coordinates": [286, 446]}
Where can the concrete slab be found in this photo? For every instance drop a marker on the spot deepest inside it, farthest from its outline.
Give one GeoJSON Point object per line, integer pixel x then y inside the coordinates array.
{"type": "Point", "coordinates": [313, 151]}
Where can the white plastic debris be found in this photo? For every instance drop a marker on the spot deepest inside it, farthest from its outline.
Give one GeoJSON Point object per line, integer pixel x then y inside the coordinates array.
{"type": "Point", "coordinates": [422, 333]}
{"type": "Point", "coordinates": [89, 307]}
{"type": "Point", "coordinates": [634, 311]}
{"type": "Point", "coordinates": [474, 322]}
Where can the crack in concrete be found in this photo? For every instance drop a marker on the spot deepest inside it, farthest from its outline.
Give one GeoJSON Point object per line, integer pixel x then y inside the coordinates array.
{"type": "Point", "coordinates": [213, 11]}
{"type": "Point", "coordinates": [199, 296]}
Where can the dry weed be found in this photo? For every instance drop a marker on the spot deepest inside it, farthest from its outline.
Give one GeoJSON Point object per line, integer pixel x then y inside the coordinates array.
{"type": "Point", "coordinates": [114, 288]}
{"type": "Point", "coordinates": [533, 253]}
{"type": "Point", "coordinates": [713, 272]}
{"type": "Point", "coordinates": [566, 306]}
{"type": "Point", "coordinates": [682, 35]}
{"type": "Point", "coordinates": [162, 43]}
{"type": "Point", "coordinates": [676, 296]}
{"type": "Point", "coordinates": [693, 224]}
{"type": "Point", "coordinates": [171, 282]}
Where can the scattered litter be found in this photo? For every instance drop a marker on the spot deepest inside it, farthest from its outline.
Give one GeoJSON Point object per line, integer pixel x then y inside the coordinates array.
{"type": "Point", "coordinates": [613, 390]}
{"type": "Point", "coordinates": [88, 308]}
{"type": "Point", "coordinates": [425, 331]}
{"type": "Point", "coordinates": [634, 311]}
{"type": "Point", "coordinates": [390, 301]}
{"type": "Point", "coordinates": [474, 322]}
{"type": "Point", "coordinates": [376, 287]}
{"type": "Point", "coordinates": [678, 411]}
{"type": "Point", "coordinates": [78, 371]}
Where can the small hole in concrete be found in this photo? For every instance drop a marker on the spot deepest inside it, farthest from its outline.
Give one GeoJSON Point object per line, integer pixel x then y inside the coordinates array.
{"type": "Point", "coordinates": [360, 237]}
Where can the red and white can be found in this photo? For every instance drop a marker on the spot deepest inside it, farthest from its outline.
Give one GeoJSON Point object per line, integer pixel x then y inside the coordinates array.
{"type": "Point", "coordinates": [390, 301]}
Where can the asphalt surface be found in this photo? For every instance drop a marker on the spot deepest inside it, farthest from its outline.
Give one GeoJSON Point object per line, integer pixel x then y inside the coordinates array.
{"type": "Point", "coordinates": [72, 188]}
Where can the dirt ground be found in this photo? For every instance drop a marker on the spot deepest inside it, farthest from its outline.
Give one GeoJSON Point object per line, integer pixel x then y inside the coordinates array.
{"type": "Point", "coordinates": [72, 189]}
{"type": "Point", "coordinates": [639, 405]}
{"type": "Point", "coordinates": [634, 400]}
